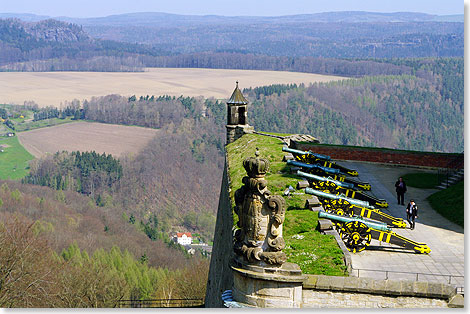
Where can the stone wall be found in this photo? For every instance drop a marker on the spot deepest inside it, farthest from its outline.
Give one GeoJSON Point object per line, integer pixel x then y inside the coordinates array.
{"type": "Point", "coordinates": [220, 273]}
{"type": "Point", "coordinates": [329, 299]}
{"type": "Point", "coordinates": [387, 156]}
{"type": "Point", "coordinates": [351, 292]}
{"type": "Point", "coordinates": [234, 132]}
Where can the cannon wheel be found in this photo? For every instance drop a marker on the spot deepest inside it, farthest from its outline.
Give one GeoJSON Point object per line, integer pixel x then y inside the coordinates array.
{"type": "Point", "coordinates": [356, 235]}
{"type": "Point", "coordinates": [339, 207]}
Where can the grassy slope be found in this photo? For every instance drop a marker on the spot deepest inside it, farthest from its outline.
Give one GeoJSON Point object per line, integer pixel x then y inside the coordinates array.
{"type": "Point", "coordinates": [315, 253]}
{"type": "Point", "coordinates": [14, 159]}
{"type": "Point", "coordinates": [450, 203]}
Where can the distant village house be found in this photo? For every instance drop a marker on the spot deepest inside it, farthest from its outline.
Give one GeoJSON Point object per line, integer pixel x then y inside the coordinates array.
{"type": "Point", "coordinates": [184, 238]}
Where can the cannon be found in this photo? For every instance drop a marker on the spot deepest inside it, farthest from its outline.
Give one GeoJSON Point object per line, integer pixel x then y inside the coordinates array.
{"type": "Point", "coordinates": [331, 196]}
{"type": "Point", "coordinates": [337, 187]}
{"type": "Point", "coordinates": [357, 233]}
{"type": "Point", "coordinates": [344, 208]}
{"type": "Point", "coordinates": [312, 177]}
{"type": "Point", "coordinates": [329, 172]}
{"type": "Point", "coordinates": [323, 160]}
{"type": "Point", "coordinates": [313, 166]}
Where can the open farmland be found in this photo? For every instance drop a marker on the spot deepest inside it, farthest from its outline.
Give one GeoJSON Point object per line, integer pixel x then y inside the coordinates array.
{"type": "Point", "coordinates": [53, 88]}
{"type": "Point", "coordinates": [86, 136]}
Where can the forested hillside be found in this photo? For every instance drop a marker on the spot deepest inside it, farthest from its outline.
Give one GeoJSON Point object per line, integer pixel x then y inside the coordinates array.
{"type": "Point", "coordinates": [416, 112]}
{"type": "Point", "coordinates": [174, 179]}
{"type": "Point", "coordinates": [54, 45]}
{"type": "Point", "coordinates": [297, 39]}
{"type": "Point", "coordinates": [292, 42]}
{"type": "Point", "coordinates": [35, 276]}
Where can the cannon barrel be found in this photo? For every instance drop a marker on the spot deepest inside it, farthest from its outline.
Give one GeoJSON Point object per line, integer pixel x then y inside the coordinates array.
{"type": "Point", "coordinates": [308, 166]}
{"type": "Point", "coordinates": [319, 178]}
{"type": "Point", "coordinates": [337, 197]}
{"type": "Point", "coordinates": [371, 224]}
{"type": "Point", "coordinates": [302, 152]}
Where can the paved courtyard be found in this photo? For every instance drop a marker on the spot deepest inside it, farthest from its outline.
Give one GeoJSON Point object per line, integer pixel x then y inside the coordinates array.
{"type": "Point", "coordinates": [445, 263]}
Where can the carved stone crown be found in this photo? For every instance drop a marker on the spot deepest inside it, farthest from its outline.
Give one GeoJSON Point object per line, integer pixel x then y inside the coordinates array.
{"type": "Point", "coordinates": [256, 167]}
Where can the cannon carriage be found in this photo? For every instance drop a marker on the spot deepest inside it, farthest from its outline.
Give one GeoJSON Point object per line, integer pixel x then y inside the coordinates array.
{"type": "Point", "coordinates": [310, 157]}
{"type": "Point", "coordinates": [333, 173]}
{"type": "Point", "coordinates": [357, 233]}
{"type": "Point", "coordinates": [329, 185]}
{"type": "Point", "coordinates": [345, 206]}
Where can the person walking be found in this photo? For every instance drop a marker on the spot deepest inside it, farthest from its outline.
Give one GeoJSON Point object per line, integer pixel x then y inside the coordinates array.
{"type": "Point", "coordinates": [411, 213]}
{"type": "Point", "coordinates": [400, 186]}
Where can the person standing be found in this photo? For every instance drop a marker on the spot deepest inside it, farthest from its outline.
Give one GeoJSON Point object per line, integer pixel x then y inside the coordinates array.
{"type": "Point", "coordinates": [411, 213]}
{"type": "Point", "coordinates": [400, 186]}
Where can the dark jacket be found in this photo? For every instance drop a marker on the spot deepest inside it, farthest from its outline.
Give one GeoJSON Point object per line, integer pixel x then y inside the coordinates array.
{"type": "Point", "coordinates": [414, 209]}
{"type": "Point", "coordinates": [400, 189]}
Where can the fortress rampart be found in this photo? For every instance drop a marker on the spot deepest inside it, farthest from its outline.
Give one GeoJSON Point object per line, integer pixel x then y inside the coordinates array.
{"type": "Point", "coordinates": [380, 155]}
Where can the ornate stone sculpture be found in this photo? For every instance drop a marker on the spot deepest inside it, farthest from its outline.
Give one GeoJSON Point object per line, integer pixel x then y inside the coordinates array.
{"type": "Point", "coordinates": [260, 216]}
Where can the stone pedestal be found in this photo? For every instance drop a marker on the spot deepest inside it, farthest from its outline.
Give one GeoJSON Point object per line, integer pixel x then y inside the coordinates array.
{"type": "Point", "coordinates": [267, 286]}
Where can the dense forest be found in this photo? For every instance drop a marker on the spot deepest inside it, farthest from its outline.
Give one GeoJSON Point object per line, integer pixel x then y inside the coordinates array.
{"type": "Point", "coordinates": [298, 39]}
{"type": "Point", "coordinates": [84, 172]}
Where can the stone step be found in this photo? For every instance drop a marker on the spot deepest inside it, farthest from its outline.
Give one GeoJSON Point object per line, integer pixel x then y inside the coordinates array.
{"type": "Point", "coordinates": [324, 224]}
{"type": "Point", "coordinates": [312, 202]}
{"type": "Point", "coordinates": [302, 184]}
{"type": "Point", "coordinates": [317, 208]}
{"type": "Point", "coordinates": [287, 157]}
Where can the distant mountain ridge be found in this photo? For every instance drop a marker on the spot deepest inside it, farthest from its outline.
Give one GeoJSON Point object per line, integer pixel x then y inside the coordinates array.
{"type": "Point", "coordinates": [129, 42]}
{"type": "Point", "coordinates": [168, 19]}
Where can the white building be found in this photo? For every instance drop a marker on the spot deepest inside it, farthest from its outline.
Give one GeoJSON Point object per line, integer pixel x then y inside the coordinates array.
{"type": "Point", "coordinates": [184, 238]}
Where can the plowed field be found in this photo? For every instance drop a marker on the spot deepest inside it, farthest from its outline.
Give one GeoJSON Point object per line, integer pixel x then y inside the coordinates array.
{"type": "Point", "coordinates": [85, 136]}
{"type": "Point", "coordinates": [53, 88]}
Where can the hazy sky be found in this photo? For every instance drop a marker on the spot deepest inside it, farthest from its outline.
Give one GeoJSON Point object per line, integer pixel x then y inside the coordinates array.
{"type": "Point", "coordinates": [93, 8]}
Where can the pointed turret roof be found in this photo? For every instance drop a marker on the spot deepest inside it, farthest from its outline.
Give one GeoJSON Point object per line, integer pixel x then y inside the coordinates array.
{"type": "Point", "coordinates": [237, 97]}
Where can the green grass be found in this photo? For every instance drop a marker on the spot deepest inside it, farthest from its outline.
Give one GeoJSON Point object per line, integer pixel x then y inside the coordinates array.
{"type": "Point", "coordinates": [450, 203]}
{"type": "Point", "coordinates": [421, 180]}
{"type": "Point", "coordinates": [31, 125]}
{"type": "Point", "coordinates": [315, 253]}
{"type": "Point", "coordinates": [14, 159]}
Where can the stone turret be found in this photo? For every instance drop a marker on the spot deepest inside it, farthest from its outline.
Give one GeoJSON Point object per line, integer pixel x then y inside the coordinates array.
{"type": "Point", "coordinates": [237, 116]}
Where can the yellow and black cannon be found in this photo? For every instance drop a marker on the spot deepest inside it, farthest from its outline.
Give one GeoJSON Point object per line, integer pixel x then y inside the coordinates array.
{"type": "Point", "coordinates": [335, 174]}
{"type": "Point", "coordinates": [329, 185]}
{"type": "Point", "coordinates": [310, 157]}
{"type": "Point", "coordinates": [344, 208]}
{"type": "Point", "coordinates": [357, 233]}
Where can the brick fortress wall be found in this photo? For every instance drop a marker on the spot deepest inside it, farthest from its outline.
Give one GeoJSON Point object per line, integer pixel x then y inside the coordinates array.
{"type": "Point", "coordinates": [386, 156]}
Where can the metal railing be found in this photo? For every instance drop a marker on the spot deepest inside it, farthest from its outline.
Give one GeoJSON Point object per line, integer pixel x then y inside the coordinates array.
{"type": "Point", "coordinates": [161, 303]}
{"type": "Point", "coordinates": [413, 274]}
{"type": "Point", "coordinates": [444, 174]}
